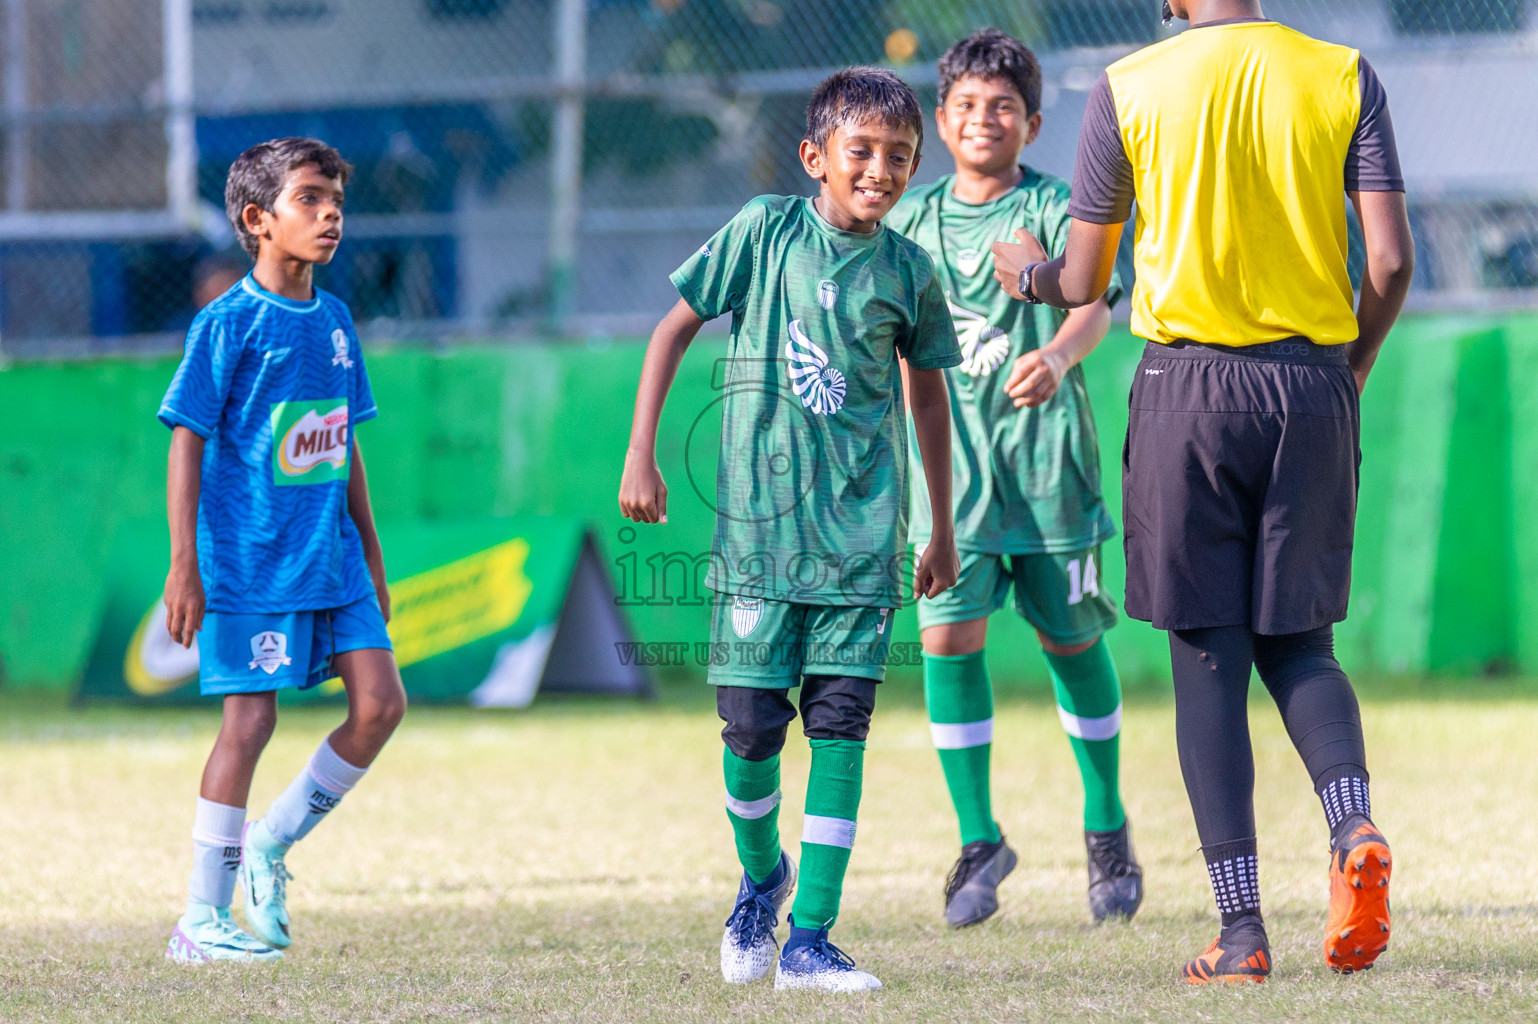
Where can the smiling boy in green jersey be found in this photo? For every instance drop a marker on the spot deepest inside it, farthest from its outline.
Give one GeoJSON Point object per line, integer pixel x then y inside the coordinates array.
{"type": "Point", "coordinates": [811, 496]}
{"type": "Point", "coordinates": [1025, 479]}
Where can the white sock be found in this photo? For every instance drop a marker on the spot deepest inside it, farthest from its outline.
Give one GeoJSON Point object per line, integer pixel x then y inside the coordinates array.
{"type": "Point", "coordinates": [215, 852]}
{"type": "Point", "coordinates": [310, 797]}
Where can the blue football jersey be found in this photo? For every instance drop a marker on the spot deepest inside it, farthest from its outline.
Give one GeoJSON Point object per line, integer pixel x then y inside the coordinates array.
{"type": "Point", "coordinates": [275, 387]}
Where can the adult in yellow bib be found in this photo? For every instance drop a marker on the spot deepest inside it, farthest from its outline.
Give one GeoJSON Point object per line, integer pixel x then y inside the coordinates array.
{"type": "Point", "coordinates": [1239, 140]}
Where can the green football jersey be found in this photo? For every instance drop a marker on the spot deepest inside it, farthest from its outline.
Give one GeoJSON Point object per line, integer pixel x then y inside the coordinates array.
{"type": "Point", "coordinates": [812, 486]}
{"type": "Point", "coordinates": [1025, 481]}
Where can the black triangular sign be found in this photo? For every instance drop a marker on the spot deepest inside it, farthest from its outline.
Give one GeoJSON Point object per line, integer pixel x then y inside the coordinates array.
{"type": "Point", "coordinates": [578, 653]}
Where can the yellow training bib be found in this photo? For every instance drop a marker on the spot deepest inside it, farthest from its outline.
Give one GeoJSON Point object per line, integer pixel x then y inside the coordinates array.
{"type": "Point", "coordinates": [1237, 135]}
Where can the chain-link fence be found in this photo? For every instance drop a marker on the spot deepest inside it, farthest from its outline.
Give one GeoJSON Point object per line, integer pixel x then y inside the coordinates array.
{"type": "Point", "coordinates": [531, 166]}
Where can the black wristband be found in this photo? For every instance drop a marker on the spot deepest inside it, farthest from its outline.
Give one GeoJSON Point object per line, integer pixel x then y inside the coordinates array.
{"type": "Point", "coordinates": [1028, 284]}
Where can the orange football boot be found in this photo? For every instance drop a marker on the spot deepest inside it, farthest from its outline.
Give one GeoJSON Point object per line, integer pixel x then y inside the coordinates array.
{"type": "Point", "coordinates": [1358, 928]}
{"type": "Point", "coordinates": [1239, 954]}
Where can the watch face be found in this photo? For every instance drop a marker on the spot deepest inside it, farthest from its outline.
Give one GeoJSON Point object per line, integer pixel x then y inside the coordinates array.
{"type": "Point", "coordinates": [1026, 284]}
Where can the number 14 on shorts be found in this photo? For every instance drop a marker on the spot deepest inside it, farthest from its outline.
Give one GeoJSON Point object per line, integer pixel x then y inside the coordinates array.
{"type": "Point", "coordinates": [1083, 579]}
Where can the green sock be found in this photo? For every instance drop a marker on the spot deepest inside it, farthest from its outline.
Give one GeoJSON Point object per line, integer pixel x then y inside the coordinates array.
{"type": "Point", "coordinates": [960, 699]}
{"type": "Point", "coordinates": [1089, 703]}
{"type": "Point", "coordinates": [753, 807]}
{"type": "Point", "coordinates": [832, 806]}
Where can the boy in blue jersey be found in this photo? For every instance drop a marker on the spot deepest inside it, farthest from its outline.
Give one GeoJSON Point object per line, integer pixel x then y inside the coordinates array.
{"type": "Point", "coordinates": [273, 550]}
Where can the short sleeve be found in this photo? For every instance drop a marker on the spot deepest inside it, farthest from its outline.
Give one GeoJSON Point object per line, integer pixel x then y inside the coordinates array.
{"type": "Point", "coordinates": [198, 391]}
{"type": "Point", "coordinates": [1102, 174]}
{"type": "Point", "coordinates": [1372, 159]}
{"type": "Point", "coordinates": [1115, 290]}
{"type": "Point", "coordinates": [363, 392]}
{"type": "Point", "coordinates": [931, 343]}
{"type": "Point", "coordinates": [716, 279]}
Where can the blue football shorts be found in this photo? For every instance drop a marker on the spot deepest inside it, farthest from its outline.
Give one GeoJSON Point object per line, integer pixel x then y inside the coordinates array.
{"type": "Point", "coordinates": [256, 653]}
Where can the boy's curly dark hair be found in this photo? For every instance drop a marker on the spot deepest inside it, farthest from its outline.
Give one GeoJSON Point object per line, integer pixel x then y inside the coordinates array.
{"type": "Point", "coordinates": [991, 54]}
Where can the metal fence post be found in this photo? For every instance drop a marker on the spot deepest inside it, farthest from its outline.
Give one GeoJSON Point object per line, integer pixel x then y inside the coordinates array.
{"type": "Point", "coordinates": [566, 157]}
{"type": "Point", "coordinates": [181, 124]}
{"type": "Point", "coordinates": [16, 152]}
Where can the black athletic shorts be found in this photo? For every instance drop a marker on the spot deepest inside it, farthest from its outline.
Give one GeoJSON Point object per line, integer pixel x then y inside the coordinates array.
{"type": "Point", "coordinates": [1239, 481]}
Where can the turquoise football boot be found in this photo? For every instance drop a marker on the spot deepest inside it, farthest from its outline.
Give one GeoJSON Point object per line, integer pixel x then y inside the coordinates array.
{"type": "Point", "coordinates": [264, 879]}
{"type": "Point", "coordinates": [206, 934]}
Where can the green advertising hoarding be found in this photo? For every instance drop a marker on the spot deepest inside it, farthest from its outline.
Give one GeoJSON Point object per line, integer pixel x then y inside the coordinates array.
{"type": "Point", "coordinates": [488, 611]}
{"type": "Point", "coordinates": [1444, 576]}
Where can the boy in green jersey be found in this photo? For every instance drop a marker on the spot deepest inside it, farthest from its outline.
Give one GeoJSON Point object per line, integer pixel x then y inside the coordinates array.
{"type": "Point", "coordinates": [811, 495]}
{"type": "Point", "coordinates": [1026, 476]}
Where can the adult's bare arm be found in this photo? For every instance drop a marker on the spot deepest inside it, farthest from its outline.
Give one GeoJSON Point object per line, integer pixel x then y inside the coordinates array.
{"type": "Point", "coordinates": [1386, 279]}
{"type": "Point", "coordinates": [1076, 278]}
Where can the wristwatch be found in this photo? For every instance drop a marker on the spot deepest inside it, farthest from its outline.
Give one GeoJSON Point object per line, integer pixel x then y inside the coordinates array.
{"type": "Point", "coordinates": [1026, 283]}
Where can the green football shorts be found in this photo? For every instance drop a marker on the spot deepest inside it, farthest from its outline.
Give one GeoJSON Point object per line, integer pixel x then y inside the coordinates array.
{"type": "Point", "coordinates": [1059, 594]}
{"type": "Point", "coordinates": [755, 641]}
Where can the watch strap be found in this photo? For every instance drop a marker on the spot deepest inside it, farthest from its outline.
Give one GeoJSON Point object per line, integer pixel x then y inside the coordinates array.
{"type": "Point", "coordinates": [1028, 284]}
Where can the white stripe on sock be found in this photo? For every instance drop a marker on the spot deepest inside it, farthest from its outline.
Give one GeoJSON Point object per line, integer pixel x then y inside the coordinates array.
{"type": "Point", "coordinates": [753, 809]}
{"type": "Point", "coordinates": [961, 735]}
{"type": "Point", "coordinates": [827, 831]}
{"type": "Point", "coordinates": [1091, 728]}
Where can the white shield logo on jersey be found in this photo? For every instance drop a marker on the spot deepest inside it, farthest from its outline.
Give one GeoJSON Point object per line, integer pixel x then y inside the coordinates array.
{"type": "Point", "coordinates": [746, 611]}
{"type": "Point", "coordinates": [269, 652]}
{"type": "Point", "coordinates": [827, 295]}
{"type": "Point", "coordinates": [820, 387]}
{"type": "Point", "coordinates": [968, 260]}
{"type": "Point", "coordinates": [339, 346]}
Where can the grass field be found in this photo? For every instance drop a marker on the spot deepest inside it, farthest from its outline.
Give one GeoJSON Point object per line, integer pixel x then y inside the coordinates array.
{"type": "Point", "coordinates": [573, 863]}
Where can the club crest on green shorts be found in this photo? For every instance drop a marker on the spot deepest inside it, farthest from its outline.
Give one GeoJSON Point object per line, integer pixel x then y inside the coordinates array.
{"type": "Point", "coordinates": [746, 611]}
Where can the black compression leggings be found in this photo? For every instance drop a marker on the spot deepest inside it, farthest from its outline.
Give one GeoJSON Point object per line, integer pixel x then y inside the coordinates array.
{"type": "Point", "coordinates": [1212, 731]}
{"type": "Point", "coordinates": [832, 708]}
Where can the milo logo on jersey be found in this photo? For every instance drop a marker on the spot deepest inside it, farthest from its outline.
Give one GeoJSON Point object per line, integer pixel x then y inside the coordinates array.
{"type": "Point", "coordinates": [310, 442]}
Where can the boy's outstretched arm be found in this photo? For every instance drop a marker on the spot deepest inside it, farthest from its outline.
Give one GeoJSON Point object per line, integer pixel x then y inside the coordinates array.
{"type": "Point", "coordinates": [643, 496]}
{"type": "Point", "coordinates": [184, 587]}
{"type": "Point", "coordinates": [362, 512]}
{"type": "Point", "coordinates": [1038, 373]}
{"type": "Point", "coordinates": [1385, 279]}
{"type": "Point", "coordinates": [929, 402]}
